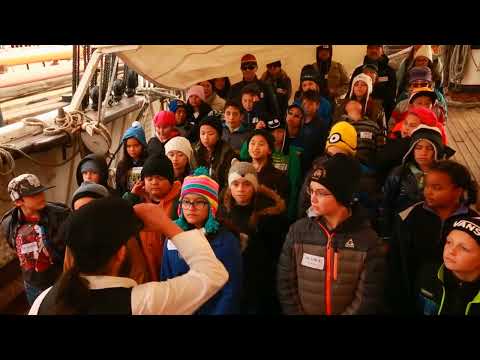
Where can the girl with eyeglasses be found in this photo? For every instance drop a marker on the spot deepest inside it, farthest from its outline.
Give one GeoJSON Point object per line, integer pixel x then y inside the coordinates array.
{"type": "Point", "coordinates": [197, 210]}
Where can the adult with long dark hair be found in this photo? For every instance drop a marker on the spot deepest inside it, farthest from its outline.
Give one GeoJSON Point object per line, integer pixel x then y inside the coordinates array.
{"type": "Point", "coordinates": [97, 234]}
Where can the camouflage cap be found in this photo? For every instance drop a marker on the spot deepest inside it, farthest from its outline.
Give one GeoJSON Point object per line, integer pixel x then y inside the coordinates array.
{"type": "Point", "coordinates": [25, 185]}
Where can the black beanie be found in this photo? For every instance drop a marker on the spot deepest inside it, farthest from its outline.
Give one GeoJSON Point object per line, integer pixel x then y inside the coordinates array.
{"type": "Point", "coordinates": [214, 122]}
{"type": "Point", "coordinates": [97, 230]}
{"type": "Point", "coordinates": [340, 174]}
{"type": "Point", "coordinates": [267, 135]}
{"type": "Point", "coordinates": [467, 224]}
{"type": "Point", "coordinates": [160, 165]}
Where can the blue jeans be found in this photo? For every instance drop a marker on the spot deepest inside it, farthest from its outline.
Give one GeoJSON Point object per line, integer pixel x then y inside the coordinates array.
{"type": "Point", "coordinates": [31, 292]}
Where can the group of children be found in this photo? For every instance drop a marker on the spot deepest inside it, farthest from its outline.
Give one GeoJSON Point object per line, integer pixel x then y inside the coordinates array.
{"type": "Point", "coordinates": [317, 207]}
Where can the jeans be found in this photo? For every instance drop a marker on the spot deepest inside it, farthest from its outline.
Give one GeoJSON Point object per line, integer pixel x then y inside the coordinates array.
{"type": "Point", "coordinates": [31, 292]}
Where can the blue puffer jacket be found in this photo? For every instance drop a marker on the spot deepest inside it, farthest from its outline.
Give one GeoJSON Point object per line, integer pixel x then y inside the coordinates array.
{"type": "Point", "coordinates": [227, 249]}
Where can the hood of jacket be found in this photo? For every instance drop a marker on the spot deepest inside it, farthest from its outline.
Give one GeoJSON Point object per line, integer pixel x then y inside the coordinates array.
{"type": "Point", "coordinates": [102, 164]}
{"type": "Point", "coordinates": [277, 208]}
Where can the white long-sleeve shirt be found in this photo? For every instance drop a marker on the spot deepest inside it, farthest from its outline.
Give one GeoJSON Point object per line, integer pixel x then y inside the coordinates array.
{"type": "Point", "coordinates": [179, 296]}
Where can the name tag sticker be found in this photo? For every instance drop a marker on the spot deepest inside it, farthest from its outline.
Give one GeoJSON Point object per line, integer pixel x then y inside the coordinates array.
{"type": "Point", "coordinates": [313, 261]}
{"type": "Point", "coordinates": [383, 78]}
{"type": "Point", "coordinates": [326, 76]}
{"type": "Point", "coordinates": [171, 246]}
{"type": "Point", "coordinates": [366, 135]}
{"type": "Point", "coordinates": [29, 248]}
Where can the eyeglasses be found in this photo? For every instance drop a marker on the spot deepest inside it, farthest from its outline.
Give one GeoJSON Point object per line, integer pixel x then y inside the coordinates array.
{"type": "Point", "coordinates": [197, 204]}
{"type": "Point", "coordinates": [420, 84]}
{"type": "Point", "coordinates": [317, 193]}
{"type": "Point", "coordinates": [248, 67]}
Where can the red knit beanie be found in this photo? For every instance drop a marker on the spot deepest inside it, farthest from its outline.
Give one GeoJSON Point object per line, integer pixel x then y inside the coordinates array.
{"type": "Point", "coordinates": [164, 119]}
{"type": "Point", "coordinates": [247, 58]}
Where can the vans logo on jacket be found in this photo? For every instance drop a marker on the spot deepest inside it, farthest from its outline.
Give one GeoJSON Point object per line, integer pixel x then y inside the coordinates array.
{"type": "Point", "coordinates": [350, 244]}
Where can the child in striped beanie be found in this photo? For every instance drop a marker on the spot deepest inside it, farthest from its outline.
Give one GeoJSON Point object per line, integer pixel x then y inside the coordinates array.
{"type": "Point", "coordinates": [199, 184]}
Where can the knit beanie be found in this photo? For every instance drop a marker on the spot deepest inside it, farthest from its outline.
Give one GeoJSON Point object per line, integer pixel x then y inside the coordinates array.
{"type": "Point", "coordinates": [467, 224]}
{"type": "Point", "coordinates": [136, 131]}
{"type": "Point", "coordinates": [248, 58]}
{"type": "Point", "coordinates": [179, 143]}
{"type": "Point", "coordinates": [370, 66]}
{"type": "Point", "coordinates": [175, 104]}
{"type": "Point", "coordinates": [214, 122]}
{"type": "Point", "coordinates": [429, 133]}
{"type": "Point", "coordinates": [201, 184]}
{"type": "Point", "coordinates": [343, 135]}
{"type": "Point", "coordinates": [429, 118]}
{"type": "Point", "coordinates": [266, 134]}
{"type": "Point", "coordinates": [241, 169]}
{"type": "Point", "coordinates": [423, 91]}
{"type": "Point", "coordinates": [196, 90]}
{"type": "Point", "coordinates": [90, 165]}
{"type": "Point", "coordinates": [420, 73]}
{"type": "Point", "coordinates": [424, 50]}
{"type": "Point", "coordinates": [309, 73]}
{"type": "Point", "coordinates": [275, 63]}
{"type": "Point", "coordinates": [97, 230]}
{"type": "Point", "coordinates": [90, 189]}
{"type": "Point", "coordinates": [164, 119]}
{"type": "Point", "coordinates": [340, 174]}
{"type": "Point", "coordinates": [160, 165]}
{"type": "Point", "coordinates": [367, 80]}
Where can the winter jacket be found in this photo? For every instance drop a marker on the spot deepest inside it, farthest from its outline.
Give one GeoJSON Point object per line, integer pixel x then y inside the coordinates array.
{"type": "Point", "coordinates": [291, 164]}
{"type": "Point", "coordinates": [282, 86]}
{"type": "Point", "coordinates": [152, 242]}
{"type": "Point", "coordinates": [219, 163]}
{"type": "Point", "coordinates": [324, 112]}
{"type": "Point", "coordinates": [123, 173]}
{"type": "Point", "coordinates": [156, 147]}
{"type": "Point", "coordinates": [262, 226]}
{"type": "Point", "coordinates": [337, 79]}
{"type": "Point", "coordinates": [102, 165]}
{"type": "Point", "coordinates": [236, 138]}
{"type": "Point", "coordinates": [216, 103]}
{"type": "Point", "coordinates": [417, 239]}
{"type": "Point", "coordinates": [400, 191]}
{"type": "Point", "coordinates": [330, 272]}
{"type": "Point", "coordinates": [370, 140]}
{"type": "Point", "coordinates": [267, 95]}
{"type": "Point", "coordinates": [374, 112]}
{"type": "Point", "coordinates": [51, 219]}
{"type": "Point", "coordinates": [205, 110]}
{"type": "Point", "coordinates": [226, 247]}
{"type": "Point", "coordinates": [441, 293]}
{"type": "Point", "coordinates": [274, 179]}
{"type": "Point", "coordinates": [315, 135]}
{"type": "Point", "coordinates": [391, 156]}
{"type": "Point", "coordinates": [385, 88]}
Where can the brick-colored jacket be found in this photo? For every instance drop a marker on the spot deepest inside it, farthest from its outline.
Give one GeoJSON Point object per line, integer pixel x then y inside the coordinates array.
{"type": "Point", "coordinates": [324, 272]}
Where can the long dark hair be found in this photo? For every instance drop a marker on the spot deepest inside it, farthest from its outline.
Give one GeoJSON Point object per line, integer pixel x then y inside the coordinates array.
{"type": "Point", "coordinates": [224, 92]}
{"type": "Point", "coordinates": [126, 164]}
{"type": "Point", "coordinates": [460, 176]}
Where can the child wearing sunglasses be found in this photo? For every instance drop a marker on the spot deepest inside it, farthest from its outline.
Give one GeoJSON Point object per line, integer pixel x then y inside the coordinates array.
{"type": "Point", "coordinates": [197, 210]}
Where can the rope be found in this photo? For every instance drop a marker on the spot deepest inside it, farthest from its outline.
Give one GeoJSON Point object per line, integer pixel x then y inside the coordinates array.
{"type": "Point", "coordinates": [457, 64]}
{"type": "Point", "coordinates": [70, 123]}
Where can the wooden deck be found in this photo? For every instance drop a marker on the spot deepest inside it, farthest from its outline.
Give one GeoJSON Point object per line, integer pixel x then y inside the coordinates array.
{"type": "Point", "coordinates": [463, 131]}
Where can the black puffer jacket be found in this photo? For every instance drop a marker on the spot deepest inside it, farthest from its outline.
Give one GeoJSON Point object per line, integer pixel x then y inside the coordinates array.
{"type": "Point", "coordinates": [330, 272]}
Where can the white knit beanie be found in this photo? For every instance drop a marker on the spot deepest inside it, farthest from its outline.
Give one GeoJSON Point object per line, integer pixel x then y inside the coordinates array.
{"type": "Point", "coordinates": [424, 50]}
{"type": "Point", "coordinates": [179, 143]}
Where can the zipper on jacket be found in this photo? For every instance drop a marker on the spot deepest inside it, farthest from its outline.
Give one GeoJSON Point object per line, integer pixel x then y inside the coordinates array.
{"type": "Point", "coordinates": [330, 267]}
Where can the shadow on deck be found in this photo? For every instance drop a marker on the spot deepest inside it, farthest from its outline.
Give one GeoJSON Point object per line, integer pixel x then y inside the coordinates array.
{"type": "Point", "coordinates": [463, 131]}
